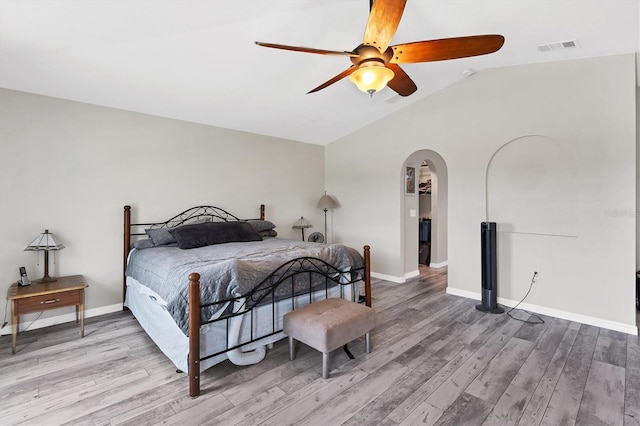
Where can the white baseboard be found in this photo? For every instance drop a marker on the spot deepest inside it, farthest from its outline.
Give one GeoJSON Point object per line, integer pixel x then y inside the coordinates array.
{"type": "Point", "coordinates": [412, 274]}
{"type": "Point", "coordinates": [438, 265]}
{"type": "Point", "coordinates": [49, 321]}
{"type": "Point", "coordinates": [571, 316]}
{"type": "Point", "coordinates": [407, 276]}
{"type": "Point", "coordinates": [388, 277]}
{"type": "Point", "coordinates": [463, 293]}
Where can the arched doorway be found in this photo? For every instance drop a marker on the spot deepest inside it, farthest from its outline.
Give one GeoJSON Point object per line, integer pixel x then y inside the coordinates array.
{"type": "Point", "coordinates": [434, 206]}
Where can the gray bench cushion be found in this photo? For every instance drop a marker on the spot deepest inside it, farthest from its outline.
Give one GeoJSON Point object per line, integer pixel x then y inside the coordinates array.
{"type": "Point", "coordinates": [328, 324]}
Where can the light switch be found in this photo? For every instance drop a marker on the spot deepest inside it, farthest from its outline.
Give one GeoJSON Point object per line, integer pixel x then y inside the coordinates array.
{"type": "Point", "coordinates": [412, 212]}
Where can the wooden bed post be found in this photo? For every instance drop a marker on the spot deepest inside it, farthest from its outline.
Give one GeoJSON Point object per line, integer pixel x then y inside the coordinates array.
{"type": "Point", "coordinates": [194, 335]}
{"type": "Point", "coordinates": [367, 275]}
{"type": "Point", "coordinates": [261, 211]}
{"type": "Point", "coordinates": [127, 249]}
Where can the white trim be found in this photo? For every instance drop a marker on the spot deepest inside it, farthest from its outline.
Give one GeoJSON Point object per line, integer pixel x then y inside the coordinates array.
{"type": "Point", "coordinates": [413, 274]}
{"type": "Point", "coordinates": [439, 265]}
{"type": "Point", "coordinates": [49, 321]}
{"type": "Point", "coordinates": [571, 316]}
{"type": "Point", "coordinates": [463, 293]}
{"type": "Point", "coordinates": [406, 276]}
{"type": "Point", "coordinates": [388, 277]}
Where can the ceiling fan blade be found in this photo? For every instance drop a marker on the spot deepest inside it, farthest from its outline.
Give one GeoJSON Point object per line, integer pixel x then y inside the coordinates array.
{"type": "Point", "coordinates": [383, 22]}
{"type": "Point", "coordinates": [401, 82]}
{"type": "Point", "coordinates": [338, 77]}
{"type": "Point", "coordinates": [446, 48]}
{"type": "Point", "coordinates": [307, 49]}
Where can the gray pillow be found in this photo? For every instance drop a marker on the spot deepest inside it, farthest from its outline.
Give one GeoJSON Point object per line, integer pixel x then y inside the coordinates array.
{"type": "Point", "coordinates": [206, 234]}
{"type": "Point", "coordinates": [269, 233]}
{"type": "Point", "coordinates": [261, 225]}
{"type": "Point", "coordinates": [163, 237]}
{"type": "Point", "coordinates": [160, 236]}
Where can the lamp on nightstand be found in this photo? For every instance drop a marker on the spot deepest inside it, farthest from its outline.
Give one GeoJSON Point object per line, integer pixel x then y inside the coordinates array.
{"type": "Point", "coordinates": [301, 224]}
{"type": "Point", "coordinates": [45, 242]}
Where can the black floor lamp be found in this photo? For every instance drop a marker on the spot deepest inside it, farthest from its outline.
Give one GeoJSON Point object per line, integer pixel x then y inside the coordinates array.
{"type": "Point", "coordinates": [326, 203]}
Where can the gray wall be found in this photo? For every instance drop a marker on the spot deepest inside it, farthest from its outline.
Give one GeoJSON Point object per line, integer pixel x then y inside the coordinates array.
{"type": "Point", "coordinates": [71, 167]}
{"type": "Point", "coordinates": [587, 105]}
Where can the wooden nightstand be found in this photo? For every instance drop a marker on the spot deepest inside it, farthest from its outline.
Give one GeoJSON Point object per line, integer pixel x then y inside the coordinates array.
{"type": "Point", "coordinates": [43, 296]}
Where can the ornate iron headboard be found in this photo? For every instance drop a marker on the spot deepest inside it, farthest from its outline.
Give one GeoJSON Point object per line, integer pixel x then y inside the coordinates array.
{"type": "Point", "coordinates": [193, 214]}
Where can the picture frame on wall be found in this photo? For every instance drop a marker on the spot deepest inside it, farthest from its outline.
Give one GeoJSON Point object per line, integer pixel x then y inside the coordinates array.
{"type": "Point", "coordinates": [410, 181]}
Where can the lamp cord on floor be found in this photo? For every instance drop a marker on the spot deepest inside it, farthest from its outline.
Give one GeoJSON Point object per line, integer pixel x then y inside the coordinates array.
{"type": "Point", "coordinates": [540, 320]}
{"type": "Point", "coordinates": [32, 322]}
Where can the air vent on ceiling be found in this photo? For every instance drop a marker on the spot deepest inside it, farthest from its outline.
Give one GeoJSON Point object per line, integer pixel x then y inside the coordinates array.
{"type": "Point", "coordinates": [560, 45]}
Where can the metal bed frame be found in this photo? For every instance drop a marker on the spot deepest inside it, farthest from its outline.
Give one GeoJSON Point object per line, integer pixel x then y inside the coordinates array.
{"type": "Point", "coordinates": [264, 293]}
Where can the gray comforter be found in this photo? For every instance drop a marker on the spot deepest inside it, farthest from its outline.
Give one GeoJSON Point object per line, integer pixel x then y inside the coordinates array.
{"type": "Point", "coordinates": [226, 270]}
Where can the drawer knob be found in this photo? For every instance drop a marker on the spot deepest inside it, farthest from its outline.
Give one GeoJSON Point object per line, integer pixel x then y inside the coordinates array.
{"type": "Point", "coordinates": [46, 302]}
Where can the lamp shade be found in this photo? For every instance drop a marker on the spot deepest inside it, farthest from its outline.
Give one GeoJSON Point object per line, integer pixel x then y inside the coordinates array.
{"type": "Point", "coordinates": [302, 223]}
{"type": "Point", "coordinates": [327, 202]}
{"type": "Point", "coordinates": [45, 242]}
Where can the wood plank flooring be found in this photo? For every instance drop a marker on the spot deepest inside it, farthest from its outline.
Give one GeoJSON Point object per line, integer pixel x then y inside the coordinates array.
{"type": "Point", "coordinates": [436, 360]}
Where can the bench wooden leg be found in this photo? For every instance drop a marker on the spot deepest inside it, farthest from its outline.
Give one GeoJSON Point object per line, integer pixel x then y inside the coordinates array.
{"type": "Point", "coordinates": [292, 349]}
{"type": "Point", "coordinates": [325, 365]}
{"type": "Point", "coordinates": [367, 343]}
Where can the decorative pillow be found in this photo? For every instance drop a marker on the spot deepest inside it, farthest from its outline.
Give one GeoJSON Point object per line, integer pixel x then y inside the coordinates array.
{"type": "Point", "coordinates": [206, 234]}
{"type": "Point", "coordinates": [261, 225]}
{"type": "Point", "coordinates": [269, 233]}
{"type": "Point", "coordinates": [160, 236]}
{"type": "Point", "coordinates": [163, 237]}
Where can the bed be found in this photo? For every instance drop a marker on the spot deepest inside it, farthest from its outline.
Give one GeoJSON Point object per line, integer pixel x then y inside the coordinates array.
{"type": "Point", "coordinates": [230, 279]}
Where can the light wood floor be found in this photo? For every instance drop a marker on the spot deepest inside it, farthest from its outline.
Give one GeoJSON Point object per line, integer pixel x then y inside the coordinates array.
{"type": "Point", "coordinates": [435, 360]}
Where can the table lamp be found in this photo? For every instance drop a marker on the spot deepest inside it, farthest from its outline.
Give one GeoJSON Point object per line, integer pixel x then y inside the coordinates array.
{"type": "Point", "coordinates": [301, 224]}
{"type": "Point", "coordinates": [45, 242]}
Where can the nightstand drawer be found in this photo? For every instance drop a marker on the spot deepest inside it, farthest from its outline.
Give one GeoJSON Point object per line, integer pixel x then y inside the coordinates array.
{"type": "Point", "coordinates": [49, 301]}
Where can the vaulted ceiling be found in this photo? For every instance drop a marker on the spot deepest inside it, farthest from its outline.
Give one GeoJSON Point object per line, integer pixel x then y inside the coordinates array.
{"type": "Point", "coordinates": [197, 61]}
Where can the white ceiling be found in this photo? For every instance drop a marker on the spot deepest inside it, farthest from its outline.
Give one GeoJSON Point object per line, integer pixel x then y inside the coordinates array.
{"type": "Point", "coordinates": [197, 61]}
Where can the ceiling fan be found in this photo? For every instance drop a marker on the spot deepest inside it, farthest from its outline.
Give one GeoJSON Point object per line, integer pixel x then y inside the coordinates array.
{"type": "Point", "coordinates": [375, 63]}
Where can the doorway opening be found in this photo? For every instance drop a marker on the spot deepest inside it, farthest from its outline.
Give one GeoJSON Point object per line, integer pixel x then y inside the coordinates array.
{"type": "Point", "coordinates": [425, 212]}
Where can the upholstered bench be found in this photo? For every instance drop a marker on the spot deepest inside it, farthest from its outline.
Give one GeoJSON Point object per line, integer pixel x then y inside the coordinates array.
{"type": "Point", "coordinates": [328, 324]}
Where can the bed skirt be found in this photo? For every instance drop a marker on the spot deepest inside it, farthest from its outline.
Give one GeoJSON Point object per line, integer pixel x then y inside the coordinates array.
{"type": "Point", "coordinates": [149, 309]}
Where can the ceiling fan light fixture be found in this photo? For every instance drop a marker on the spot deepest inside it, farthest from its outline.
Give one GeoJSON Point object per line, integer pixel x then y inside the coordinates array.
{"type": "Point", "coordinates": [371, 76]}
{"type": "Point", "coordinates": [376, 63]}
